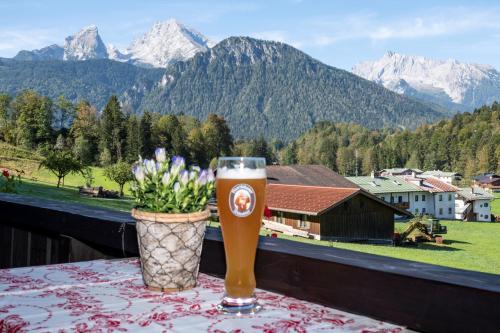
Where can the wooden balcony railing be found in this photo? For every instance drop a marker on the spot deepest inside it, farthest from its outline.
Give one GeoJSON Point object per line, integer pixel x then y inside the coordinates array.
{"type": "Point", "coordinates": [420, 296]}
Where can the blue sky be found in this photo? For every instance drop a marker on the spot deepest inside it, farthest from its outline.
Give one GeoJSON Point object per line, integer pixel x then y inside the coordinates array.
{"type": "Point", "coordinates": [339, 33]}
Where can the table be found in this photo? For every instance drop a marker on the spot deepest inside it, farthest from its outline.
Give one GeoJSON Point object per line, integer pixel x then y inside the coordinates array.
{"type": "Point", "coordinates": [109, 296]}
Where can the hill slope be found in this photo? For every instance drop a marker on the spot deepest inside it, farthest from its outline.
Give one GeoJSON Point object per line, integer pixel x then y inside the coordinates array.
{"type": "Point", "coordinates": [93, 80]}
{"type": "Point", "coordinates": [273, 89]}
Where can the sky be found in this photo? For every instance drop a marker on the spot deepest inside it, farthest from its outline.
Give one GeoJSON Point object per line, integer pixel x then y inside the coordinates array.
{"type": "Point", "coordinates": [338, 33]}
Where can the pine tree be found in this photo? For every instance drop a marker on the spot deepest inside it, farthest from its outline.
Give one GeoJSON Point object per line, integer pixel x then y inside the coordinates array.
{"type": "Point", "coordinates": [112, 130]}
{"type": "Point", "coordinates": [146, 146]}
{"type": "Point", "coordinates": [132, 145]}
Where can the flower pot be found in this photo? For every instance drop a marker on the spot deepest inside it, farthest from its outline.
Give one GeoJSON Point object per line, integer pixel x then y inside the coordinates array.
{"type": "Point", "coordinates": [170, 248]}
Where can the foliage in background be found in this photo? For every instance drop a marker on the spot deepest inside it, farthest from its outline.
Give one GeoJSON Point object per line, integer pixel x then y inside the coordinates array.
{"type": "Point", "coordinates": [468, 143]}
{"type": "Point", "coordinates": [119, 173]}
{"type": "Point", "coordinates": [60, 163]}
{"type": "Point", "coordinates": [167, 186]}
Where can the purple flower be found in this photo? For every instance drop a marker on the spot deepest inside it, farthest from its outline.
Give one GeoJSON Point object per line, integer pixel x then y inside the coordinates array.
{"type": "Point", "coordinates": [177, 164]}
{"type": "Point", "coordinates": [166, 178]}
{"type": "Point", "coordinates": [184, 177]}
{"type": "Point", "coordinates": [192, 175]}
{"type": "Point", "coordinates": [160, 154]}
{"type": "Point", "coordinates": [138, 171]}
{"type": "Point", "coordinates": [202, 178]}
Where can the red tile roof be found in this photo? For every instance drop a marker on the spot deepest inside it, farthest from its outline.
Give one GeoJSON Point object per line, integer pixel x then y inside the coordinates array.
{"type": "Point", "coordinates": [305, 199]}
{"type": "Point", "coordinates": [439, 186]}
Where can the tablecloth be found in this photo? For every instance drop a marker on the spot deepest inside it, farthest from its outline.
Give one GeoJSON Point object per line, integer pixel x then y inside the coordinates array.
{"type": "Point", "coordinates": [109, 296]}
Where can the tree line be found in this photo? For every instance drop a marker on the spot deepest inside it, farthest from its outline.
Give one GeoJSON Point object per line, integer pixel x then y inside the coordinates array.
{"type": "Point", "coordinates": [468, 143]}
{"type": "Point", "coordinates": [32, 121]}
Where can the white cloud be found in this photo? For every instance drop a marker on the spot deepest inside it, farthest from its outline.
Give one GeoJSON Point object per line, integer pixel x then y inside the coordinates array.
{"type": "Point", "coordinates": [437, 22]}
{"type": "Point", "coordinates": [15, 39]}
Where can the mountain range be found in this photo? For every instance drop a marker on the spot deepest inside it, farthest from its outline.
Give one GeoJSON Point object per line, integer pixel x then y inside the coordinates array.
{"type": "Point", "coordinates": [260, 87]}
{"type": "Point", "coordinates": [452, 84]}
{"type": "Point", "coordinates": [165, 43]}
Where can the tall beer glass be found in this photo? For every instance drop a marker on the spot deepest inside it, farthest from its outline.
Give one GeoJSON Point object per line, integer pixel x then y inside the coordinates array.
{"type": "Point", "coordinates": [240, 187]}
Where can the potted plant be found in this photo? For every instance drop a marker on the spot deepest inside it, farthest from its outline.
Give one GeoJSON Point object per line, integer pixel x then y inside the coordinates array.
{"type": "Point", "coordinates": [171, 216]}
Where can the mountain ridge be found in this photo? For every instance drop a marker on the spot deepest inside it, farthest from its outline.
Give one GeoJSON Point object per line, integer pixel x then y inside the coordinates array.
{"type": "Point", "coordinates": [164, 43]}
{"type": "Point", "coordinates": [450, 83]}
{"type": "Point", "coordinates": [264, 87]}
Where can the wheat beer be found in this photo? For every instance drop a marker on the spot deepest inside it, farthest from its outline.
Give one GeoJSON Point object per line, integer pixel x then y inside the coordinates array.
{"type": "Point", "coordinates": [240, 187]}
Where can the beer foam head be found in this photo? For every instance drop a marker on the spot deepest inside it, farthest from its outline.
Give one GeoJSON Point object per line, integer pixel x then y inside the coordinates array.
{"type": "Point", "coordinates": [241, 173]}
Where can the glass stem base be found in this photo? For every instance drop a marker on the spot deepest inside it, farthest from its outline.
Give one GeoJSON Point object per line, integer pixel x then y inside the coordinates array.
{"type": "Point", "coordinates": [239, 306]}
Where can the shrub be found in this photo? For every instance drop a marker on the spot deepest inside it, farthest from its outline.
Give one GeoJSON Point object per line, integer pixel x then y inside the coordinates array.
{"type": "Point", "coordinates": [61, 163]}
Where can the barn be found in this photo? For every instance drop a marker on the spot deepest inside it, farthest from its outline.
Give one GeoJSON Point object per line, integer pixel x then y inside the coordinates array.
{"type": "Point", "coordinates": [314, 201]}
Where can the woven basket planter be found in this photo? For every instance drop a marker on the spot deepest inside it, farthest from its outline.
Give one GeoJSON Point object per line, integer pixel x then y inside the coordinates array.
{"type": "Point", "coordinates": [170, 248]}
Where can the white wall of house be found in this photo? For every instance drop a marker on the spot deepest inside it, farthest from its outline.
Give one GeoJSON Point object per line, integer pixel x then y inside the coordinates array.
{"type": "Point", "coordinates": [482, 208]}
{"type": "Point", "coordinates": [444, 205]}
{"type": "Point", "coordinates": [459, 207]}
{"type": "Point", "coordinates": [405, 197]}
{"type": "Point", "coordinates": [421, 203]}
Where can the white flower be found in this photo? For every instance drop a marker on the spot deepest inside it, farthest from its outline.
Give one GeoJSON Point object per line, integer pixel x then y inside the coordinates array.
{"type": "Point", "coordinates": [150, 167]}
{"type": "Point", "coordinates": [210, 176]}
{"type": "Point", "coordinates": [138, 172]}
{"type": "Point", "coordinates": [176, 187]}
{"type": "Point", "coordinates": [183, 177]}
{"type": "Point", "coordinates": [160, 154]}
{"type": "Point", "coordinates": [166, 178]}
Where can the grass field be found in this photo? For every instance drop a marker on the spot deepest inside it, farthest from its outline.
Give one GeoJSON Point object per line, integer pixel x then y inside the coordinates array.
{"type": "Point", "coordinates": [495, 206]}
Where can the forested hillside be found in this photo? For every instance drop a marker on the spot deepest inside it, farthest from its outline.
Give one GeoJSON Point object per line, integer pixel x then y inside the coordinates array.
{"type": "Point", "coordinates": [272, 89]}
{"type": "Point", "coordinates": [468, 143]}
{"type": "Point", "coordinates": [91, 80]}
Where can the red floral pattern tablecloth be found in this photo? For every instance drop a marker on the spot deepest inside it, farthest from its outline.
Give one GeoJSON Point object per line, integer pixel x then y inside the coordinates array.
{"type": "Point", "coordinates": [109, 296]}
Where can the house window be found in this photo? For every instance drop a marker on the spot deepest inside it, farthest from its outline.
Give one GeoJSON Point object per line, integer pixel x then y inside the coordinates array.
{"type": "Point", "coordinates": [400, 199]}
{"type": "Point", "coordinates": [392, 199]}
{"type": "Point", "coordinates": [440, 211]}
{"type": "Point", "coordinates": [486, 216]}
{"type": "Point", "coordinates": [449, 197]}
{"type": "Point", "coordinates": [440, 197]}
{"type": "Point", "coordinates": [485, 204]}
{"type": "Point", "coordinates": [449, 210]}
{"type": "Point", "coordinates": [303, 224]}
{"type": "Point", "coordinates": [423, 210]}
{"type": "Point", "coordinates": [423, 197]}
{"type": "Point", "coordinates": [416, 197]}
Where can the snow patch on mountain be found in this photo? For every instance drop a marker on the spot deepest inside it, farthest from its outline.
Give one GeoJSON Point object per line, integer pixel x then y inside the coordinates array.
{"type": "Point", "coordinates": [165, 43]}
{"type": "Point", "coordinates": [444, 81]}
{"type": "Point", "coordinates": [84, 45]}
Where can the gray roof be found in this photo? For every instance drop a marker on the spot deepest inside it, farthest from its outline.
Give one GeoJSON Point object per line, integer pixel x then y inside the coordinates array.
{"type": "Point", "coordinates": [309, 175]}
{"type": "Point", "coordinates": [478, 194]}
{"type": "Point", "coordinates": [401, 170]}
{"type": "Point", "coordinates": [439, 173]}
{"type": "Point", "coordinates": [387, 184]}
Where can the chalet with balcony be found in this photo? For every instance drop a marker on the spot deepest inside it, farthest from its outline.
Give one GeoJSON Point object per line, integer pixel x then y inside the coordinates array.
{"type": "Point", "coordinates": [316, 202]}
{"type": "Point", "coordinates": [473, 204]}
